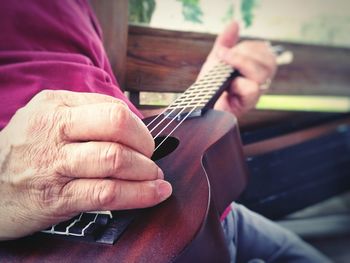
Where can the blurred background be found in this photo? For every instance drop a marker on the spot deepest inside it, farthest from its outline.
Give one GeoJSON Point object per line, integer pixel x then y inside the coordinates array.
{"type": "Point", "coordinates": [313, 21]}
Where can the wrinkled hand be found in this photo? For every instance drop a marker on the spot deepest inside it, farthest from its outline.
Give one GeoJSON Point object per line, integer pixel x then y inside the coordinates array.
{"type": "Point", "coordinates": [66, 152]}
{"type": "Point", "coordinates": [253, 59]}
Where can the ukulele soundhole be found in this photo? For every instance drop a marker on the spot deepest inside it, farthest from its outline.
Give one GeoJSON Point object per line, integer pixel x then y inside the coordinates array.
{"type": "Point", "coordinates": [164, 146]}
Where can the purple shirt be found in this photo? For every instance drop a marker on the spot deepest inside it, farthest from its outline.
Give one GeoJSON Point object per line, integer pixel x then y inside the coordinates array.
{"type": "Point", "coordinates": [50, 45]}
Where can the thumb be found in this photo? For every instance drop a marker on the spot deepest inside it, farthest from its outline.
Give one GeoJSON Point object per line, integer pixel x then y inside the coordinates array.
{"type": "Point", "coordinates": [229, 37]}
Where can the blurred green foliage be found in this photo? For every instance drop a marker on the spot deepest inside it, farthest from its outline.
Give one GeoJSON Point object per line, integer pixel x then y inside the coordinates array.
{"type": "Point", "coordinates": [229, 14]}
{"type": "Point", "coordinates": [140, 11]}
{"type": "Point", "coordinates": [191, 11]}
{"type": "Point", "coordinates": [247, 8]}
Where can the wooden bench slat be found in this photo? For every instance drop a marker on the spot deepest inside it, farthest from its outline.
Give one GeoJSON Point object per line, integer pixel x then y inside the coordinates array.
{"type": "Point", "coordinates": [169, 61]}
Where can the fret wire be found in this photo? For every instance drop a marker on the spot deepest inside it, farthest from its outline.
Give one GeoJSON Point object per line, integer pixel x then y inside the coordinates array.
{"type": "Point", "coordinates": [178, 107]}
{"type": "Point", "coordinates": [89, 224]}
{"type": "Point", "coordinates": [209, 84]}
{"type": "Point", "coordinates": [53, 231]}
{"type": "Point", "coordinates": [201, 99]}
{"type": "Point", "coordinates": [208, 89]}
{"type": "Point", "coordinates": [189, 96]}
{"type": "Point", "coordinates": [189, 103]}
{"type": "Point", "coordinates": [207, 95]}
{"type": "Point", "coordinates": [213, 82]}
{"type": "Point", "coordinates": [67, 233]}
{"type": "Point", "coordinates": [202, 104]}
{"type": "Point", "coordinates": [72, 224]}
{"type": "Point", "coordinates": [105, 212]}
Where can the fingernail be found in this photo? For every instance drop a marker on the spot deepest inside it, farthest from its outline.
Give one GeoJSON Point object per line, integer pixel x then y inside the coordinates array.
{"type": "Point", "coordinates": [164, 189]}
{"type": "Point", "coordinates": [160, 174]}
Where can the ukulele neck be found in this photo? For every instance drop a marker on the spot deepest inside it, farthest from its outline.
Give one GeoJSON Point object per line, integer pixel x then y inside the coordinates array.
{"type": "Point", "coordinates": [202, 95]}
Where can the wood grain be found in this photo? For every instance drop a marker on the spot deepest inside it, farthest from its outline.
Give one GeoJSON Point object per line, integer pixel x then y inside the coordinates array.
{"type": "Point", "coordinates": [161, 60]}
{"type": "Point", "coordinates": [113, 19]}
{"type": "Point", "coordinates": [168, 61]}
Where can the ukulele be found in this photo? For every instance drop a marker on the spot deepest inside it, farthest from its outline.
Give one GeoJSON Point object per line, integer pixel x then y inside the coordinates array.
{"type": "Point", "coordinates": [200, 152]}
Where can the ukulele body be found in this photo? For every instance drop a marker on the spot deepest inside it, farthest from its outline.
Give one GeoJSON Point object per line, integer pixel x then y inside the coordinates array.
{"type": "Point", "coordinates": [207, 171]}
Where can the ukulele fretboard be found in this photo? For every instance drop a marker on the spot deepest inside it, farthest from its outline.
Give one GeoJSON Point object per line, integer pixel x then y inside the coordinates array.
{"type": "Point", "coordinates": [203, 93]}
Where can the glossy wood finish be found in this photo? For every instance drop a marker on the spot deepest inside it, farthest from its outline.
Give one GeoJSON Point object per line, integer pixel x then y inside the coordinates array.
{"type": "Point", "coordinates": [207, 172]}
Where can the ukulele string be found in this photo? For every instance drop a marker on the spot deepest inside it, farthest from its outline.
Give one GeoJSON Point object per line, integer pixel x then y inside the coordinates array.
{"type": "Point", "coordinates": [182, 120]}
{"type": "Point", "coordinates": [178, 99]}
{"type": "Point", "coordinates": [169, 113]}
{"type": "Point", "coordinates": [171, 120]}
{"type": "Point", "coordinates": [162, 113]}
{"type": "Point", "coordinates": [165, 117]}
{"type": "Point", "coordinates": [177, 116]}
{"type": "Point", "coordinates": [171, 132]}
{"type": "Point", "coordinates": [179, 113]}
{"type": "Point", "coordinates": [165, 110]}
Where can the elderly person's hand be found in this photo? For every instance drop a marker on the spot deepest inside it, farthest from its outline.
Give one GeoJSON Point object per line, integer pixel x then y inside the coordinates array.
{"type": "Point", "coordinates": [253, 59]}
{"type": "Point", "coordinates": [66, 152]}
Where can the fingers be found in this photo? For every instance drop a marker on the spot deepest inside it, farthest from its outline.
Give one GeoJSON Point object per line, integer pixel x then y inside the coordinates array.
{"type": "Point", "coordinates": [95, 194]}
{"type": "Point", "coordinates": [223, 43]}
{"type": "Point", "coordinates": [245, 93]}
{"type": "Point", "coordinates": [107, 122]}
{"type": "Point", "coordinates": [229, 37]}
{"type": "Point", "coordinates": [245, 89]}
{"type": "Point", "coordinates": [106, 159]}
{"type": "Point", "coordinates": [242, 96]}
{"type": "Point", "coordinates": [253, 59]}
